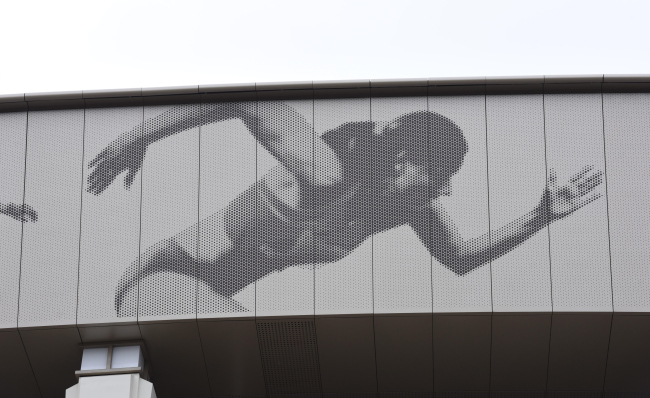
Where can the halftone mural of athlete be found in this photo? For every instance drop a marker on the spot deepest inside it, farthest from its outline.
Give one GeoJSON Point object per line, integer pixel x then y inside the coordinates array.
{"type": "Point", "coordinates": [327, 196]}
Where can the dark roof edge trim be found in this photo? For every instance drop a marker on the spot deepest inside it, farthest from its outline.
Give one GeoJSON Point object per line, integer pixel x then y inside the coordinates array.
{"type": "Point", "coordinates": [572, 83]}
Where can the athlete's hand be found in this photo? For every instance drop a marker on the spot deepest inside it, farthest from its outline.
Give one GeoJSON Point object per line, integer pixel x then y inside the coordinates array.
{"type": "Point", "coordinates": [562, 200]}
{"type": "Point", "coordinates": [126, 153]}
{"type": "Point", "coordinates": [23, 213]}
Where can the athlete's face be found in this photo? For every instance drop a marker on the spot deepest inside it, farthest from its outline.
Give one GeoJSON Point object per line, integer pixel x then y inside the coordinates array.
{"type": "Point", "coordinates": [413, 175]}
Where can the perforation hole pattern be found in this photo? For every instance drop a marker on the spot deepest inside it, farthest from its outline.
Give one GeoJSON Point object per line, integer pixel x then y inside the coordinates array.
{"type": "Point", "coordinates": [289, 357]}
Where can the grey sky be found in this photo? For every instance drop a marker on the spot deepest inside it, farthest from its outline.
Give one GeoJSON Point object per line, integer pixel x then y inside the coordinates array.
{"type": "Point", "coordinates": [82, 45]}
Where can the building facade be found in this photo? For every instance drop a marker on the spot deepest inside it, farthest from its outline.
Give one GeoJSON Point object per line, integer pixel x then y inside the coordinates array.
{"type": "Point", "coordinates": [447, 237]}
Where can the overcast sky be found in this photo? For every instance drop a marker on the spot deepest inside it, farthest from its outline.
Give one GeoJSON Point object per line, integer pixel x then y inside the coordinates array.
{"type": "Point", "coordinates": [85, 45]}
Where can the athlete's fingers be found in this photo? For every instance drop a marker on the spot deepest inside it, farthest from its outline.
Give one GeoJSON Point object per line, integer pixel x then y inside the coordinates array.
{"type": "Point", "coordinates": [590, 184]}
{"type": "Point", "coordinates": [586, 200]}
{"type": "Point", "coordinates": [581, 173]}
{"type": "Point", "coordinates": [101, 156]}
{"type": "Point", "coordinates": [552, 179]}
{"type": "Point", "coordinates": [128, 180]}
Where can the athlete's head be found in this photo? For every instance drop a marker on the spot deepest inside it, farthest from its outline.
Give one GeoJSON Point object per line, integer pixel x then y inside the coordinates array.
{"type": "Point", "coordinates": [421, 148]}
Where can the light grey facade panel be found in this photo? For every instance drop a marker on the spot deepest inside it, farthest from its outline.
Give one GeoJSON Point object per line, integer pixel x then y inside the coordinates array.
{"type": "Point", "coordinates": [226, 282]}
{"type": "Point", "coordinates": [285, 266]}
{"type": "Point", "coordinates": [110, 221]}
{"type": "Point", "coordinates": [521, 279]}
{"type": "Point", "coordinates": [344, 282]}
{"type": "Point", "coordinates": [13, 129]}
{"type": "Point", "coordinates": [401, 262]}
{"type": "Point", "coordinates": [50, 246]}
{"type": "Point", "coordinates": [463, 286]}
{"type": "Point", "coordinates": [169, 215]}
{"type": "Point", "coordinates": [627, 143]}
{"type": "Point", "coordinates": [580, 240]}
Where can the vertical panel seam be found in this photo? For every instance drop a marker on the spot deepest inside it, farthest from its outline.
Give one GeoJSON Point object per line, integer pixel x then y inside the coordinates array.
{"type": "Point", "coordinates": [81, 206]}
{"type": "Point", "coordinates": [313, 265]}
{"type": "Point", "coordinates": [198, 241]}
{"type": "Point", "coordinates": [487, 171]}
{"type": "Point", "coordinates": [372, 258]}
{"type": "Point", "coordinates": [609, 240]}
{"type": "Point", "coordinates": [137, 305]}
{"type": "Point", "coordinates": [257, 252]}
{"type": "Point", "coordinates": [22, 225]}
{"type": "Point", "coordinates": [430, 242]}
{"type": "Point", "coordinates": [20, 266]}
{"type": "Point", "coordinates": [548, 236]}
{"type": "Point", "coordinates": [547, 204]}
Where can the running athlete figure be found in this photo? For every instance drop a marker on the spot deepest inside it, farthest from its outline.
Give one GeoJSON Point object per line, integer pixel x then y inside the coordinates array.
{"type": "Point", "coordinates": [327, 196]}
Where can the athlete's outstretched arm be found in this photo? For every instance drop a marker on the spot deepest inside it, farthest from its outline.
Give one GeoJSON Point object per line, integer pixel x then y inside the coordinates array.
{"type": "Point", "coordinates": [22, 212]}
{"type": "Point", "coordinates": [277, 126]}
{"type": "Point", "coordinates": [462, 256]}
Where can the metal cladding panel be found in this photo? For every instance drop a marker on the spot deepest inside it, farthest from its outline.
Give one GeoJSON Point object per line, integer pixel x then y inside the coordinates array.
{"type": "Point", "coordinates": [285, 243]}
{"type": "Point", "coordinates": [521, 279]}
{"type": "Point", "coordinates": [16, 375]}
{"type": "Point", "coordinates": [176, 350]}
{"type": "Point", "coordinates": [404, 350]}
{"type": "Point", "coordinates": [169, 215]}
{"type": "Point", "coordinates": [578, 351]}
{"type": "Point", "coordinates": [232, 357]}
{"type": "Point", "coordinates": [519, 354]}
{"type": "Point", "coordinates": [400, 259]}
{"type": "Point", "coordinates": [13, 130]}
{"type": "Point", "coordinates": [627, 145]}
{"type": "Point", "coordinates": [344, 280]}
{"type": "Point", "coordinates": [227, 208]}
{"type": "Point", "coordinates": [50, 255]}
{"type": "Point", "coordinates": [458, 287]}
{"type": "Point", "coordinates": [110, 220]}
{"type": "Point", "coordinates": [289, 357]}
{"type": "Point", "coordinates": [579, 241]}
{"type": "Point", "coordinates": [629, 349]}
{"type": "Point", "coordinates": [461, 353]}
{"type": "Point", "coordinates": [346, 351]}
{"type": "Point", "coordinates": [54, 356]}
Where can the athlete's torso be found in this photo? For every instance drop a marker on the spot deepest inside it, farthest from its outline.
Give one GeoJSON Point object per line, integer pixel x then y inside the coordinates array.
{"type": "Point", "coordinates": [324, 225]}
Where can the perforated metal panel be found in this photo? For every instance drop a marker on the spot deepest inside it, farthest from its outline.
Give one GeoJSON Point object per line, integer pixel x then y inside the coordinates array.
{"type": "Point", "coordinates": [579, 241]}
{"type": "Point", "coordinates": [463, 285]}
{"type": "Point", "coordinates": [50, 253]}
{"type": "Point", "coordinates": [110, 221]}
{"type": "Point", "coordinates": [521, 278]}
{"type": "Point", "coordinates": [169, 215]}
{"type": "Point", "coordinates": [627, 144]}
{"type": "Point", "coordinates": [288, 213]}
{"type": "Point", "coordinates": [13, 127]}
{"type": "Point", "coordinates": [227, 257]}
{"type": "Point", "coordinates": [401, 259]}
{"type": "Point", "coordinates": [344, 278]}
{"type": "Point", "coordinates": [289, 357]}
